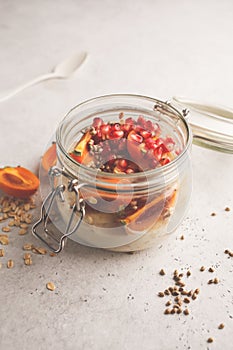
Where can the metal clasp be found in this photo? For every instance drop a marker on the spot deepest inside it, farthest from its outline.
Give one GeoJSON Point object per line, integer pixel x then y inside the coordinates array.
{"type": "Point", "coordinates": [52, 237]}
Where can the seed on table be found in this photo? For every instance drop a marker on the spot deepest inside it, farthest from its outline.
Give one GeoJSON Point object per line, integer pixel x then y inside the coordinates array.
{"type": "Point", "coordinates": [213, 214]}
{"type": "Point", "coordinates": [173, 311]}
{"type": "Point", "coordinates": [210, 281]}
{"type": "Point", "coordinates": [22, 232]}
{"type": "Point", "coordinates": [216, 280]}
{"type": "Point", "coordinates": [188, 273]}
{"type": "Point", "coordinates": [50, 286]}
{"type": "Point", "coordinates": [179, 310]}
{"type": "Point", "coordinates": [4, 239]}
{"type": "Point", "coordinates": [186, 300]}
{"type": "Point", "coordinates": [167, 311]}
{"type": "Point", "coordinates": [202, 268]}
{"type": "Point", "coordinates": [2, 252]}
{"type": "Point", "coordinates": [161, 294]}
{"type": "Point", "coordinates": [210, 340]}
{"type": "Point", "coordinates": [27, 207]}
{"type": "Point", "coordinates": [226, 251]}
{"type": "Point", "coordinates": [23, 225]}
{"type": "Point", "coordinates": [182, 237]}
{"type": "Point", "coordinates": [27, 256]}
{"type": "Point", "coordinates": [227, 209]}
{"type": "Point", "coordinates": [175, 294]}
{"type": "Point", "coordinates": [162, 272]}
{"type": "Point", "coordinates": [194, 296]}
{"type": "Point", "coordinates": [168, 303]}
{"type": "Point", "coordinates": [186, 312]}
{"type": "Point", "coordinates": [211, 269]}
{"type": "Point", "coordinates": [11, 223]}
{"type": "Point", "coordinates": [28, 221]}
{"type": "Point", "coordinates": [52, 254]}
{"type": "Point", "coordinates": [221, 326]}
{"type": "Point", "coordinates": [181, 275]}
{"type": "Point", "coordinates": [167, 292]}
{"type": "Point", "coordinates": [175, 273]}
{"type": "Point", "coordinates": [38, 250]}
{"type": "Point", "coordinates": [10, 264]}
{"type": "Point", "coordinates": [197, 291]}
{"type": "Point", "coordinates": [6, 229]}
{"type": "Point", "coordinates": [27, 246]}
{"type": "Point", "coordinates": [28, 261]}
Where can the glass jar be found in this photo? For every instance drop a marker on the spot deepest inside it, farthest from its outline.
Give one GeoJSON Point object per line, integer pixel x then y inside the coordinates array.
{"type": "Point", "coordinates": [90, 206]}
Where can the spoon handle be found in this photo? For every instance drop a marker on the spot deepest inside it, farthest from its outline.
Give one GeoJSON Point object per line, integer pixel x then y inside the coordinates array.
{"type": "Point", "coordinates": [28, 84]}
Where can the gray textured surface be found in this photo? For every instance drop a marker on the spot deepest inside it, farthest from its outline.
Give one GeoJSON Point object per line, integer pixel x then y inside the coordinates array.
{"type": "Point", "coordinates": [157, 48]}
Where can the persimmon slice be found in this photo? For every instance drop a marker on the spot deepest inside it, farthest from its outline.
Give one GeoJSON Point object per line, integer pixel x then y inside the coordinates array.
{"type": "Point", "coordinates": [18, 182]}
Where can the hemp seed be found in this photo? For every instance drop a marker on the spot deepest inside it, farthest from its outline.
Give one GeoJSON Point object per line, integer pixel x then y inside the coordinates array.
{"type": "Point", "coordinates": [210, 340]}
{"type": "Point", "coordinates": [162, 272]}
{"type": "Point", "coordinates": [221, 326]}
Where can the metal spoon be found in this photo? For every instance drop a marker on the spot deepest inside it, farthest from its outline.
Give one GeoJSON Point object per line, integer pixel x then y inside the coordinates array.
{"type": "Point", "coordinates": [62, 71]}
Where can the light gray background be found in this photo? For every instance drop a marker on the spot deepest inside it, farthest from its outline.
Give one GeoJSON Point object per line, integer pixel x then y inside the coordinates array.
{"type": "Point", "coordinates": [156, 48]}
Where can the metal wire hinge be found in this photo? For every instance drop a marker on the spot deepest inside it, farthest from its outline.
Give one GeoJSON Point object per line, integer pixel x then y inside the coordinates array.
{"type": "Point", "coordinates": [52, 237]}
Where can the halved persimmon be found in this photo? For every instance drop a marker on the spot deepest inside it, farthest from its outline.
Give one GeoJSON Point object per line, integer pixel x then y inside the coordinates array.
{"type": "Point", "coordinates": [18, 182]}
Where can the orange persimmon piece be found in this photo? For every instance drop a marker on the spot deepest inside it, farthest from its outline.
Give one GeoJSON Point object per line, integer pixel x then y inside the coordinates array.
{"type": "Point", "coordinates": [49, 159]}
{"type": "Point", "coordinates": [18, 182]}
{"type": "Point", "coordinates": [81, 149]}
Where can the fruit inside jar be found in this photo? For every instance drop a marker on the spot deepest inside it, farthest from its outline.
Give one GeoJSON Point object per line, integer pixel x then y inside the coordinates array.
{"type": "Point", "coordinates": [126, 146]}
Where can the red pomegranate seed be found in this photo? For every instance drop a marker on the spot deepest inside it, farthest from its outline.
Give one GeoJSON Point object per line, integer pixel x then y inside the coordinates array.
{"type": "Point", "coordinates": [122, 163]}
{"type": "Point", "coordinates": [129, 171]}
{"type": "Point", "coordinates": [105, 129]}
{"type": "Point", "coordinates": [141, 121]}
{"type": "Point", "coordinates": [150, 143]}
{"type": "Point", "coordinates": [137, 138]}
{"type": "Point", "coordinates": [116, 134]}
{"type": "Point", "coordinates": [149, 125]}
{"type": "Point", "coordinates": [116, 126]}
{"type": "Point", "coordinates": [129, 121]}
{"type": "Point", "coordinates": [97, 122]}
{"type": "Point", "coordinates": [158, 153]}
{"type": "Point", "coordinates": [145, 134]}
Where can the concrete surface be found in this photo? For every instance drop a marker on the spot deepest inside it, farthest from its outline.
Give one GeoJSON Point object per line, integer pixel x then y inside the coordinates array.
{"type": "Point", "coordinates": [105, 300]}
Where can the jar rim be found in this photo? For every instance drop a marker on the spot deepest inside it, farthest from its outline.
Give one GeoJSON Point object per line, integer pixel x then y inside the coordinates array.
{"type": "Point", "coordinates": [157, 171]}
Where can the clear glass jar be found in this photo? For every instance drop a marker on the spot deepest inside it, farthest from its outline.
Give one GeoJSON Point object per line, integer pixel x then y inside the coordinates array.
{"type": "Point", "coordinates": [89, 206]}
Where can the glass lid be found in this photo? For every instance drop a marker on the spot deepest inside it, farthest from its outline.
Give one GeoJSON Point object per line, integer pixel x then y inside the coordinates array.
{"type": "Point", "coordinates": [212, 126]}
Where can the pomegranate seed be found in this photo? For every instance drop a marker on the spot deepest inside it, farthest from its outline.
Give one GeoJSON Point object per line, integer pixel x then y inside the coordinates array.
{"type": "Point", "coordinates": [158, 153]}
{"type": "Point", "coordinates": [149, 142]}
{"type": "Point", "coordinates": [105, 129]}
{"type": "Point", "coordinates": [149, 125]}
{"type": "Point", "coordinates": [116, 126]}
{"type": "Point", "coordinates": [136, 138]}
{"type": "Point", "coordinates": [97, 122]}
{"type": "Point", "coordinates": [129, 121]}
{"type": "Point", "coordinates": [141, 121]}
{"type": "Point", "coordinates": [129, 171]}
{"type": "Point", "coordinates": [123, 163]}
{"type": "Point", "coordinates": [145, 134]}
{"type": "Point", "coordinates": [116, 134]}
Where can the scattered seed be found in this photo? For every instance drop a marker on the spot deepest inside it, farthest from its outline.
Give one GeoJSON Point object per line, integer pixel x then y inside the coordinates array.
{"type": "Point", "coordinates": [11, 223]}
{"type": "Point", "coordinates": [28, 261]}
{"type": "Point", "coordinates": [38, 250]}
{"type": "Point", "coordinates": [168, 303]}
{"type": "Point", "coordinates": [188, 273]}
{"type": "Point", "coordinates": [162, 272]}
{"type": "Point", "coordinates": [227, 209]}
{"type": "Point", "coordinates": [22, 232]}
{"type": "Point", "coordinates": [50, 286]}
{"type": "Point", "coordinates": [186, 300]}
{"type": "Point", "coordinates": [210, 340]}
{"type": "Point", "coordinates": [167, 311]}
{"type": "Point", "coordinates": [4, 239]}
{"type": "Point", "coordinates": [197, 291]}
{"type": "Point", "coordinates": [166, 292]}
{"type": "Point", "coordinates": [221, 326]}
{"type": "Point", "coordinates": [173, 311]}
{"type": "Point", "coordinates": [216, 280]}
{"type": "Point", "coordinates": [194, 296]}
{"type": "Point", "coordinates": [52, 254]}
{"type": "Point", "coordinates": [6, 229]}
{"type": "Point", "coordinates": [186, 312]}
{"type": "Point", "coordinates": [211, 269]}
{"type": "Point", "coordinates": [23, 225]}
{"type": "Point", "coordinates": [182, 237]}
{"type": "Point", "coordinates": [179, 310]}
{"type": "Point", "coordinates": [27, 256]}
{"type": "Point", "coordinates": [213, 214]}
{"type": "Point", "coordinates": [210, 281]}
{"type": "Point", "coordinates": [10, 264]}
{"type": "Point", "coordinates": [2, 252]}
{"type": "Point", "coordinates": [175, 273]}
{"type": "Point", "coordinates": [202, 268]}
{"type": "Point", "coordinates": [161, 294]}
{"type": "Point", "coordinates": [175, 293]}
{"type": "Point", "coordinates": [226, 251]}
{"type": "Point", "coordinates": [27, 246]}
